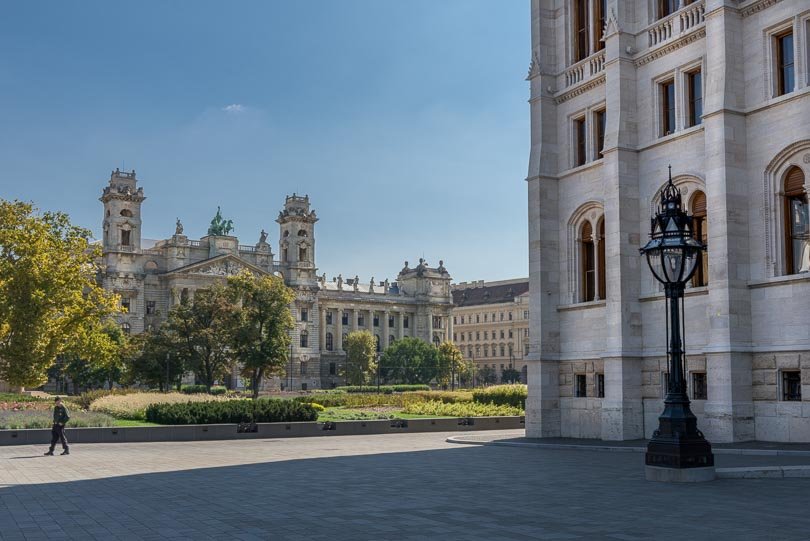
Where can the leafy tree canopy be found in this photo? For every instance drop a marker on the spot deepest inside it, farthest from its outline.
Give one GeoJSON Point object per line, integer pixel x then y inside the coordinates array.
{"type": "Point", "coordinates": [49, 299]}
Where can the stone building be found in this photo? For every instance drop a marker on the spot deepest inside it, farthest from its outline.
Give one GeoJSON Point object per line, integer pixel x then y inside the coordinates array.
{"type": "Point", "coordinates": [620, 90]}
{"type": "Point", "coordinates": [153, 277]}
{"type": "Point", "coordinates": [491, 323]}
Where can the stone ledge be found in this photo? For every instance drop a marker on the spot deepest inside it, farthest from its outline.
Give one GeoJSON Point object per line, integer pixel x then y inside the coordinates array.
{"type": "Point", "coordinates": [42, 436]}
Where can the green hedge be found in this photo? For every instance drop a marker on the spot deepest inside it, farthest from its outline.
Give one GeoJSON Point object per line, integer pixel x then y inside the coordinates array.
{"type": "Point", "coordinates": [200, 389]}
{"type": "Point", "coordinates": [231, 411]}
{"type": "Point", "coordinates": [502, 395]}
{"type": "Point", "coordinates": [386, 389]}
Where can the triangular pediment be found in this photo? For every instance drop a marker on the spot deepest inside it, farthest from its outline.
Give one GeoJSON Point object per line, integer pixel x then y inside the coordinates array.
{"type": "Point", "coordinates": [221, 265]}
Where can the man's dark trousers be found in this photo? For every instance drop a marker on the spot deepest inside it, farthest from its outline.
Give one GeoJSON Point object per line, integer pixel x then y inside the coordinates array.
{"type": "Point", "coordinates": [58, 435]}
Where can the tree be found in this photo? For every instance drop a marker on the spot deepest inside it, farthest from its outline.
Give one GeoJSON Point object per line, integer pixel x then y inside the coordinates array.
{"type": "Point", "coordinates": [450, 365]}
{"type": "Point", "coordinates": [409, 360]}
{"type": "Point", "coordinates": [466, 373]}
{"type": "Point", "coordinates": [48, 290]}
{"type": "Point", "coordinates": [487, 375]}
{"type": "Point", "coordinates": [510, 375]}
{"type": "Point", "coordinates": [261, 334]}
{"type": "Point", "coordinates": [157, 361]}
{"type": "Point", "coordinates": [97, 356]}
{"type": "Point", "coordinates": [361, 357]}
{"type": "Point", "coordinates": [202, 331]}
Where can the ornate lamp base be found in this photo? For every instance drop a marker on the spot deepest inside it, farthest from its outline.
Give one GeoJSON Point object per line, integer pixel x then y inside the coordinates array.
{"type": "Point", "coordinates": [678, 452]}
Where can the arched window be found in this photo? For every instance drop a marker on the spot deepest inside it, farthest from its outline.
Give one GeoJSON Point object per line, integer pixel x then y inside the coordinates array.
{"type": "Point", "coordinates": [302, 253]}
{"type": "Point", "coordinates": [588, 263]}
{"type": "Point", "coordinates": [600, 257]}
{"type": "Point", "coordinates": [302, 233]}
{"type": "Point", "coordinates": [797, 225]}
{"type": "Point", "coordinates": [329, 342]}
{"type": "Point", "coordinates": [126, 213]}
{"type": "Point", "coordinates": [304, 339]}
{"type": "Point", "coordinates": [700, 230]}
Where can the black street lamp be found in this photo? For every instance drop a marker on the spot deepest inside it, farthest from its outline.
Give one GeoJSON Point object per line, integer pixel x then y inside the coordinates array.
{"type": "Point", "coordinates": [677, 451]}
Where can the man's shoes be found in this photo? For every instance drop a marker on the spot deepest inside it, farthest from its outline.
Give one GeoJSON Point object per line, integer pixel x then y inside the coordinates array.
{"type": "Point", "coordinates": [65, 452]}
{"type": "Point", "coordinates": [49, 453]}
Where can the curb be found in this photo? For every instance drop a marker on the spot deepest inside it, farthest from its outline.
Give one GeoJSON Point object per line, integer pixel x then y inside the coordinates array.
{"type": "Point", "coordinates": [754, 472]}
{"type": "Point", "coordinates": [615, 449]}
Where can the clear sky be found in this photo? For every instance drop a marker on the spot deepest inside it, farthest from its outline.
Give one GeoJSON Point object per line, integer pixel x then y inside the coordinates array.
{"type": "Point", "coordinates": [405, 122]}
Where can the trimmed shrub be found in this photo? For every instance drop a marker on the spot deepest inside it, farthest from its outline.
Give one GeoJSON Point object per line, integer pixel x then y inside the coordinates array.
{"type": "Point", "coordinates": [460, 409]}
{"type": "Point", "coordinates": [194, 389]}
{"type": "Point", "coordinates": [317, 407]}
{"type": "Point", "coordinates": [231, 411]}
{"type": "Point", "coordinates": [385, 389]}
{"type": "Point", "coordinates": [503, 395]}
{"type": "Point", "coordinates": [399, 400]}
{"type": "Point", "coordinates": [133, 406]}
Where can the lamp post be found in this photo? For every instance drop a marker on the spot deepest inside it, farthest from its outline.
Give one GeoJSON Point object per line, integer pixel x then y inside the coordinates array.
{"type": "Point", "coordinates": [677, 451]}
{"type": "Point", "coordinates": [289, 388]}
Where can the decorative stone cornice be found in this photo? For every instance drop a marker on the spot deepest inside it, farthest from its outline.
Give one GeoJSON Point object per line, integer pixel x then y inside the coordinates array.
{"type": "Point", "coordinates": [534, 67]}
{"type": "Point", "coordinates": [581, 89]}
{"type": "Point", "coordinates": [756, 7]}
{"type": "Point", "coordinates": [674, 46]}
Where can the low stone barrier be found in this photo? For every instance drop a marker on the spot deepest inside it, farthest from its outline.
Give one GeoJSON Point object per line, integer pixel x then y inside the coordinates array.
{"type": "Point", "coordinates": [42, 436]}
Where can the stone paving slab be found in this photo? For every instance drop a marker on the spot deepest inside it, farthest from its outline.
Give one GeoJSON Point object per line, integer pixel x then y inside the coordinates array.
{"type": "Point", "coordinates": [385, 487]}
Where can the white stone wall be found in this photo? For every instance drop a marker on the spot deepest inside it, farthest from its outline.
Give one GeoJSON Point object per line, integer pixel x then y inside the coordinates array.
{"type": "Point", "coordinates": [750, 312]}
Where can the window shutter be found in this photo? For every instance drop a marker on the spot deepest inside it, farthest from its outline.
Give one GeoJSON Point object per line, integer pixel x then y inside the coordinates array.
{"type": "Point", "coordinates": [699, 204]}
{"type": "Point", "coordinates": [794, 181]}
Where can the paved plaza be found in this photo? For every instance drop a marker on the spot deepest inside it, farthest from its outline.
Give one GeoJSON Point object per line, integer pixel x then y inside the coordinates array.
{"type": "Point", "coordinates": [385, 487]}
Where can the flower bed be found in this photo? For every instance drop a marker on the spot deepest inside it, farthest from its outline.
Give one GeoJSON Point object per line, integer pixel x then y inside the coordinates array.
{"type": "Point", "coordinates": [505, 395]}
{"type": "Point", "coordinates": [133, 406]}
{"type": "Point", "coordinates": [32, 418]}
{"type": "Point", "coordinates": [460, 409]}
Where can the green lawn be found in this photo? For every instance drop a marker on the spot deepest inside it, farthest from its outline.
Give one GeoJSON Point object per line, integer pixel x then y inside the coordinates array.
{"type": "Point", "coordinates": [129, 422]}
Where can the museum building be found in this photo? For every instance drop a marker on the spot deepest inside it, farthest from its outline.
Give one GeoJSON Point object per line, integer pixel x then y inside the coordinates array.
{"type": "Point", "coordinates": [153, 276]}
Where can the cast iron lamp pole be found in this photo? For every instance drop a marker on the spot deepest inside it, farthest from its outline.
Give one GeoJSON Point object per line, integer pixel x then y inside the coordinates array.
{"type": "Point", "coordinates": [677, 451]}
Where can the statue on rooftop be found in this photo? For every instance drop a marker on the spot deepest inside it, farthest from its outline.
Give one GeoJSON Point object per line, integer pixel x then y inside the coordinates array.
{"type": "Point", "coordinates": [263, 236]}
{"type": "Point", "coordinates": [219, 226]}
{"type": "Point", "coordinates": [178, 227]}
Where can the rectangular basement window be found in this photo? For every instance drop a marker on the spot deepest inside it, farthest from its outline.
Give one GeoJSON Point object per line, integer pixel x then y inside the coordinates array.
{"type": "Point", "coordinates": [699, 387]}
{"type": "Point", "coordinates": [580, 386]}
{"type": "Point", "coordinates": [791, 386]}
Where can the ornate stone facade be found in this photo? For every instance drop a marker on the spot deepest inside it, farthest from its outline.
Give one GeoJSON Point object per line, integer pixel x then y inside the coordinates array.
{"type": "Point", "coordinates": [152, 279]}
{"type": "Point", "coordinates": [720, 90]}
{"type": "Point", "coordinates": [491, 323]}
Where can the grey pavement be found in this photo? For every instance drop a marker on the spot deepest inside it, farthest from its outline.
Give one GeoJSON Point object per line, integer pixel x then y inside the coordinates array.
{"type": "Point", "coordinates": [382, 487]}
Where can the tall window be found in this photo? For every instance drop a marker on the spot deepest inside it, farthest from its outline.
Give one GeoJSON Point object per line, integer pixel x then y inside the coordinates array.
{"type": "Point", "coordinates": [390, 322]}
{"type": "Point", "coordinates": [667, 107]}
{"type": "Point", "coordinates": [588, 263]}
{"type": "Point", "coordinates": [126, 304]}
{"type": "Point", "coordinates": [600, 9]}
{"type": "Point", "coordinates": [361, 321]}
{"type": "Point", "coordinates": [377, 342]}
{"type": "Point", "coordinates": [329, 317]}
{"type": "Point", "coordinates": [580, 30]}
{"type": "Point", "coordinates": [151, 307]}
{"type": "Point", "coordinates": [700, 230]}
{"type": "Point", "coordinates": [126, 328]}
{"type": "Point", "coordinates": [344, 318]}
{"type": "Point", "coordinates": [304, 314]}
{"type": "Point", "coordinates": [797, 234]}
{"type": "Point", "coordinates": [376, 320]}
{"type": "Point", "coordinates": [600, 385]}
{"type": "Point", "coordinates": [329, 342]}
{"type": "Point", "coordinates": [599, 125]}
{"type": "Point", "coordinates": [695, 91]}
{"type": "Point", "coordinates": [302, 253]}
{"type": "Point", "coordinates": [600, 256]}
{"type": "Point", "coordinates": [785, 74]}
{"type": "Point", "coordinates": [667, 7]}
{"type": "Point", "coordinates": [405, 322]}
{"type": "Point", "coordinates": [304, 339]}
{"type": "Point", "coordinates": [125, 237]}
{"type": "Point", "coordinates": [579, 141]}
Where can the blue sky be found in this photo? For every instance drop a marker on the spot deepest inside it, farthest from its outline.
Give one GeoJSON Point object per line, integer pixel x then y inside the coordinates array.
{"type": "Point", "coordinates": [405, 122]}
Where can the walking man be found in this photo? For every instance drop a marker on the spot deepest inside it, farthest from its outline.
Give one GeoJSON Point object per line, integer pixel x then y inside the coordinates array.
{"type": "Point", "coordinates": [60, 419]}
